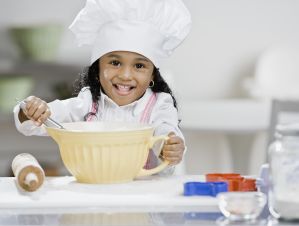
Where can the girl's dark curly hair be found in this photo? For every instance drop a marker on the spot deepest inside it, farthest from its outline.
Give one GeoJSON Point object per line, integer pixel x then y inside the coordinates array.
{"type": "Point", "coordinates": [89, 77]}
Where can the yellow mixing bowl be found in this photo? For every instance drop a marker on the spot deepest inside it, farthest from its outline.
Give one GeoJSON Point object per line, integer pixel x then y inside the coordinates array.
{"type": "Point", "coordinates": [106, 152]}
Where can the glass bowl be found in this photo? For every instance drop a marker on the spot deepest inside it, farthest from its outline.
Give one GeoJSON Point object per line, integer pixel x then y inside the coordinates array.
{"type": "Point", "coordinates": [241, 206]}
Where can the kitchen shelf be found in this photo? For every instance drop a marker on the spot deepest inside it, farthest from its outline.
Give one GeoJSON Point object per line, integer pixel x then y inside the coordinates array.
{"type": "Point", "coordinates": [226, 115]}
{"type": "Point", "coordinates": [38, 68]}
{"type": "Point", "coordinates": [52, 80]}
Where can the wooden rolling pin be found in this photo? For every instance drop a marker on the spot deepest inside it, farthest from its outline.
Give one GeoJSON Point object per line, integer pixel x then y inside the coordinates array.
{"type": "Point", "coordinates": [27, 171]}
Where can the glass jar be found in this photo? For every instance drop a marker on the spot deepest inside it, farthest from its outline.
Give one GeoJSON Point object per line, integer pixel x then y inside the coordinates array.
{"type": "Point", "coordinates": [284, 173]}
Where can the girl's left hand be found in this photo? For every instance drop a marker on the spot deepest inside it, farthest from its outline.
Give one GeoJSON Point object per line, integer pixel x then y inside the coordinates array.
{"type": "Point", "coordinates": [173, 149]}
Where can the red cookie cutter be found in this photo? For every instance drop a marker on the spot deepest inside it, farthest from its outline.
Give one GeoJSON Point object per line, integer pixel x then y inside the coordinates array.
{"type": "Point", "coordinates": [235, 181]}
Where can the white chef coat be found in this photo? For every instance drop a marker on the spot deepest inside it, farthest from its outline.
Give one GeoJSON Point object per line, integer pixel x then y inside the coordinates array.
{"type": "Point", "coordinates": [164, 116]}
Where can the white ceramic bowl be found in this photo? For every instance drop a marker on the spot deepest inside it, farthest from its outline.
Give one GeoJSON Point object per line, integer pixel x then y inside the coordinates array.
{"type": "Point", "coordinates": [239, 206]}
{"type": "Point", "coordinates": [276, 73]}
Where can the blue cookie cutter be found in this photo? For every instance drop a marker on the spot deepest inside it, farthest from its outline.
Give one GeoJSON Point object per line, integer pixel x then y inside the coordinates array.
{"type": "Point", "coordinates": [204, 188]}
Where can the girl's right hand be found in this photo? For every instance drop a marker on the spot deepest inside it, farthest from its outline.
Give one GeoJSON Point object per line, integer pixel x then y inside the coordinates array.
{"type": "Point", "coordinates": [36, 110]}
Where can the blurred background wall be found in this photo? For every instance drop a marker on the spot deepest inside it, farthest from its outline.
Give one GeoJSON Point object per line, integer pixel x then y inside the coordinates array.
{"type": "Point", "coordinates": [207, 70]}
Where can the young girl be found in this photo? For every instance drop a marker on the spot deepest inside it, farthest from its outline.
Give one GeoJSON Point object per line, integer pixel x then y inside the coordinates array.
{"type": "Point", "coordinates": [123, 82]}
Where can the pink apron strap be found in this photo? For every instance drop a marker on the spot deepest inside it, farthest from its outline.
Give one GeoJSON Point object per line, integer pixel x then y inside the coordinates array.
{"type": "Point", "coordinates": [93, 112]}
{"type": "Point", "coordinates": [148, 109]}
{"type": "Point", "coordinates": [145, 117]}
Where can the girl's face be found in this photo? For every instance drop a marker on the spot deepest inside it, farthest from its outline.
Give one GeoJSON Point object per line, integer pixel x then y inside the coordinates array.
{"type": "Point", "coordinates": [124, 76]}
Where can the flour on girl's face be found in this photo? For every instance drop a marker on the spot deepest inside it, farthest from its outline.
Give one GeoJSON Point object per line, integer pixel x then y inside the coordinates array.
{"type": "Point", "coordinates": [106, 73]}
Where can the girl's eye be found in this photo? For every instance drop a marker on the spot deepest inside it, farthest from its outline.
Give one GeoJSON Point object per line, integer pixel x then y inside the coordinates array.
{"type": "Point", "coordinates": [115, 63]}
{"type": "Point", "coordinates": [138, 66]}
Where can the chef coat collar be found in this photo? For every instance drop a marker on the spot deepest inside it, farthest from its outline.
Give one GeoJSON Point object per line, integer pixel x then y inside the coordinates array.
{"type": "Point", "coordinates": [138, 105]}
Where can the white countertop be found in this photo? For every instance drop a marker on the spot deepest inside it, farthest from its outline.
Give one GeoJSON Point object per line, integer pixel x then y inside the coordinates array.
{"type": "Point", "coordinates": [153, 193]}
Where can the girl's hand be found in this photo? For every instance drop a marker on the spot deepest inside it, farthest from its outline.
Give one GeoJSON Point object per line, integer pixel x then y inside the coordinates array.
{"type": "Point", "coordinates": [173, 149]}
{"type": "Point", "coordinates": [36, 110]}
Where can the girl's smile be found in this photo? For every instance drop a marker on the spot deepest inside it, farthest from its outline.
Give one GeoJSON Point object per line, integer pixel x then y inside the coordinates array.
{"type": "Point", "coordinates": [123, 90]}
{"type": "Point", "coordinates": [125, 76]}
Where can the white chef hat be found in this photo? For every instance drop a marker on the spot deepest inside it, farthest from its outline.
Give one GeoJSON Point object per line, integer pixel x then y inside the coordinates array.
{"type": "Point", "coordinates": [152, 28]}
